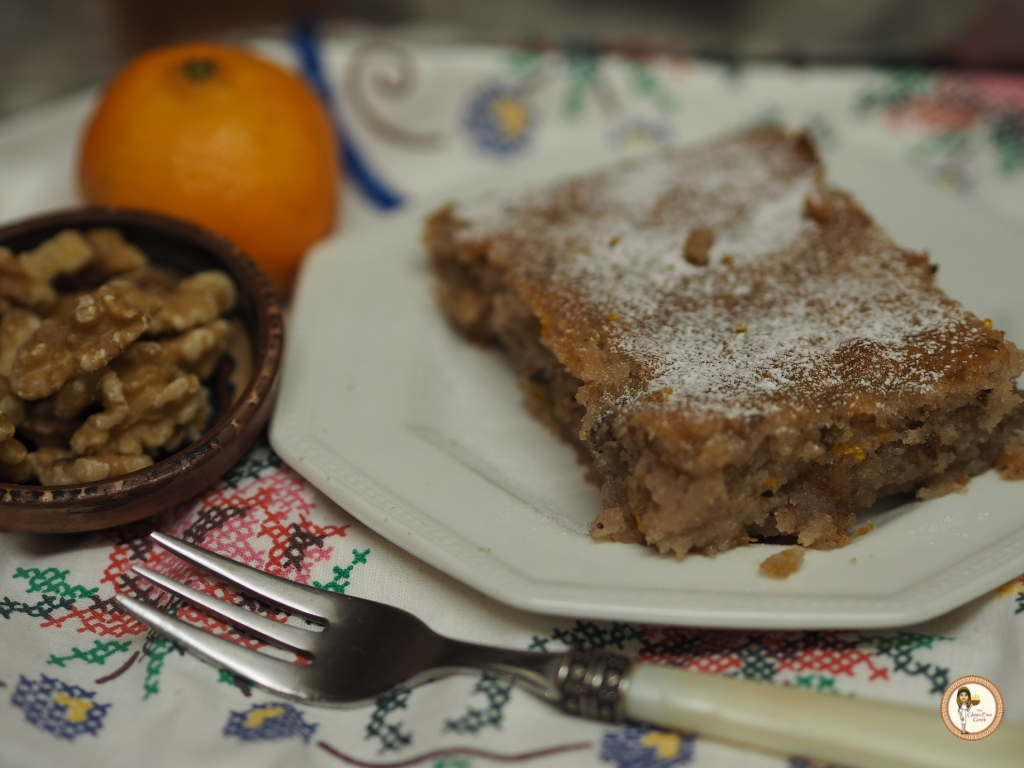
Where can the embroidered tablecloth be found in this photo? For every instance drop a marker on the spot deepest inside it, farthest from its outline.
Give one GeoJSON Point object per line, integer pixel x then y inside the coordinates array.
{"type": "Point", "coordinates": [82, 683]}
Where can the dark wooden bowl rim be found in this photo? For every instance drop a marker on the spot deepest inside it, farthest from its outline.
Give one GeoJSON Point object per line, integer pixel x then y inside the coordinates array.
{"type": "Point", "coordinates": [148, 491]}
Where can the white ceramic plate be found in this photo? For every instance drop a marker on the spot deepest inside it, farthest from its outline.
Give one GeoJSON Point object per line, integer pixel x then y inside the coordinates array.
{"type": "Point", "coordinates": [423, 437]}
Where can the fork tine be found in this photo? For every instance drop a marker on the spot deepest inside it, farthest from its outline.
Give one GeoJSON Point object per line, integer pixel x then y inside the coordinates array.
{"type": "Point", "coordinates": [298, 598]}
{"type": "Point", "coordinates": [263, 670]}
{"type": "Point", "coordinates": [274, 631]}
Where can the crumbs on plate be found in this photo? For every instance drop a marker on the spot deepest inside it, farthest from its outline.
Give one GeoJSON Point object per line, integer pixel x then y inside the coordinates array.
{"type": "Point", "coordinates": [782, 564]}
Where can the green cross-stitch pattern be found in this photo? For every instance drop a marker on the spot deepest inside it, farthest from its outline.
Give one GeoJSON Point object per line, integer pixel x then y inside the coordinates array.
{"type": "Point", "coordinates": [757, 665]}
{"type": "Point", "coordinates": [98, 654]}
{"type": "Point", "coordinates": [336, 584]}
{"type": "Point", "coordinates": [392, 736]}
{"type": "Point", "coordinates": [54, 582]}
{"type": "Point", "coordinates": [525, 63]}
{"type": "Point", "coordinates": [156, 648]}
{"type": "Point", "coordinates": [646, 82]}
{"type": "Point", "coordinates": [1007, 135]}
{"type": "Point", "coordinates": [498, 693]}
{"type": "Point", "coordinates": [452, 761]}
{"type": "Point", "coordinates": [816, 682]}
{"type": "Point", "coordinates": [902, 84]}
{"type": "Point", "coordinates": [583, 70]}
{"type": "Point", "coordinates": [900, 648]}
{"type": "Point", "coordinates": [237, 681]}
{"type": "Point", "coordinates": [57, 593]}
{"type": "Point", "coordinates": [587, 634]}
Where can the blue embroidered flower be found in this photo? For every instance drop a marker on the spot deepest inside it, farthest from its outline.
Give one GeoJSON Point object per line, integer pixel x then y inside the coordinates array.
{"type": "Point", "coordinates": [66, 711]}
{"type": "Point", "coordinates": [269, 721]}
{"type": "Point", "coordinates": [500, 119]}
{"type": "Point", "coordinates": [640, 747]}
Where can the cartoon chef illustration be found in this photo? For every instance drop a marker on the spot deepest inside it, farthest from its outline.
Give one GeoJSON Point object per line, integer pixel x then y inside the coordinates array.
{"type": "Point", "coordinates": [963, 700]}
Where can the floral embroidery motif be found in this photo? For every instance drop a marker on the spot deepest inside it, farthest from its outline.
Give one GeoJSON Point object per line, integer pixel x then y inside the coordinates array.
{"type": "Point", "coordinates": [636, 746]}
{"type": "Point", "coordinates": [500, 119]}
{"type": "Point", "coordinates": [265, 722]}
{"type": "Point", "coordinates": [66, 711]}
{"type": "Point", "coordinates": [961, 114]}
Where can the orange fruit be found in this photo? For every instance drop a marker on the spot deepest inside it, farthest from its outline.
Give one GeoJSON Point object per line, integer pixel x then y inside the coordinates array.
{"type": "Point", "coordinates": [219, 137]}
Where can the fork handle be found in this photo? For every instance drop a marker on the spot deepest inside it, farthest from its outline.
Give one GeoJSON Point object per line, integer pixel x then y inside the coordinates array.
{"type": "Point", "coordinates": [858, 733]}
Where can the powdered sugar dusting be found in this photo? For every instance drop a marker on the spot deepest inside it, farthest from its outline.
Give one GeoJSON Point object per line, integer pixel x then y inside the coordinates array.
{"type": "Point", "coordinates": [789, 309]}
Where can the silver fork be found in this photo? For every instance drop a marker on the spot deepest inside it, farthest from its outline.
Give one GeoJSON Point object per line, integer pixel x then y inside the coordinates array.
{"type": "Point", "coordinates": [365, 649]}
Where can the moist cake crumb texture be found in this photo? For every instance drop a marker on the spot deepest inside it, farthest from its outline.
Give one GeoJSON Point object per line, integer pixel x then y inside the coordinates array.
{"type": "Point", "coordinates": [782, 564]}
{"type": "Point", "coordinates": [736, 346]}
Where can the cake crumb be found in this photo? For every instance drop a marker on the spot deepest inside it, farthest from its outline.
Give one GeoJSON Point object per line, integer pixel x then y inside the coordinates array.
{"type": "Point", "coordinates": [783, 564]}
{"type": "Point", "coordinates": [865, 529]}
{"type": "Point", "coordinates": [1011, 464]}
{"type": "Point", "coordinates": [853, 561]}
{"type": "Point", "coordinates": [698, 245]}
{"type": "Point", "coordinates": [819, 207]}
{"type": "Point", "coordinates": [943, 486]}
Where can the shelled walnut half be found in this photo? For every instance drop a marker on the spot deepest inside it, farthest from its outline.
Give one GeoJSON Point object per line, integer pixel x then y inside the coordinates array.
{"type": "Point", "coordinates": [104, 357]}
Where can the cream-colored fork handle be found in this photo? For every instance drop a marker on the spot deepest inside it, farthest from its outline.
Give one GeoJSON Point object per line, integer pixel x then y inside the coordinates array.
{"type": "Point", "coordinates": [858, 733]}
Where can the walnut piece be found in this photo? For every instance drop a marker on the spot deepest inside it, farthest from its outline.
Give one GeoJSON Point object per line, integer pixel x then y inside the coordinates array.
{"type": "Point", "coordinates": [21, 288]}
{"type": "Point", "coordinates": [90, 469]}
{"type": "Point", "coordinates": [148, 405]}
{"type": "Point", "coordinates": [16, 327]}
{"type": "Point", "coordinates": [12, 405]}
{"type": "Point", "coordinates": [77, 394]}
{"type": "Point", "coordinates": [40, 462]}
{"type": "Point", "coordinates": [43, 428]}
{"type": "Point", "coordinates": [198, 300]}
{"type": "Point", "coordinates": [102, 324]}
{"type": "Point", "coordinates": [6, 428]}
{"type": "Point", "coordinates": [82, 399]}
{"type": "Point", "coordinates": [819, 207]}
{"type": "Point", "coordinates": [63, 254]}
{"type": "Point", "coordinates": [113, 254]}
{"type": "Point", "coordinates": [698, 246]}
{"type": "Point", "coordinates": [198, 350]}
{"type": "Point", "coordinates": [159, 281]}
{"type": "Point", "coordinates": [21, 473]}
{"type": "Point", "coordinates": [12, 451]}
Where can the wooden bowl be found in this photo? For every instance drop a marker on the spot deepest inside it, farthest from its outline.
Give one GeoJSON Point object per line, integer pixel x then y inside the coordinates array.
{"type": "Point", "coordinates": [234, 426]}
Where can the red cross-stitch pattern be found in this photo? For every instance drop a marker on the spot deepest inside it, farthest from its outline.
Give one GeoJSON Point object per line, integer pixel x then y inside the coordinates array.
{"type": "Point", "coordinates": [713, 651]}
{"type": "Point", "coordinates": [297, 546]}
{"type": "Point", "coordinates": [264, 523]}
{"type": "Point", "coordinates": [715, 664]}
{"type": "Point", "coordinates": [717, 652]}
{"type": "Point", "coordinates": [101, 617]}
{"type": "Point", "coordinates": [835, 662]}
